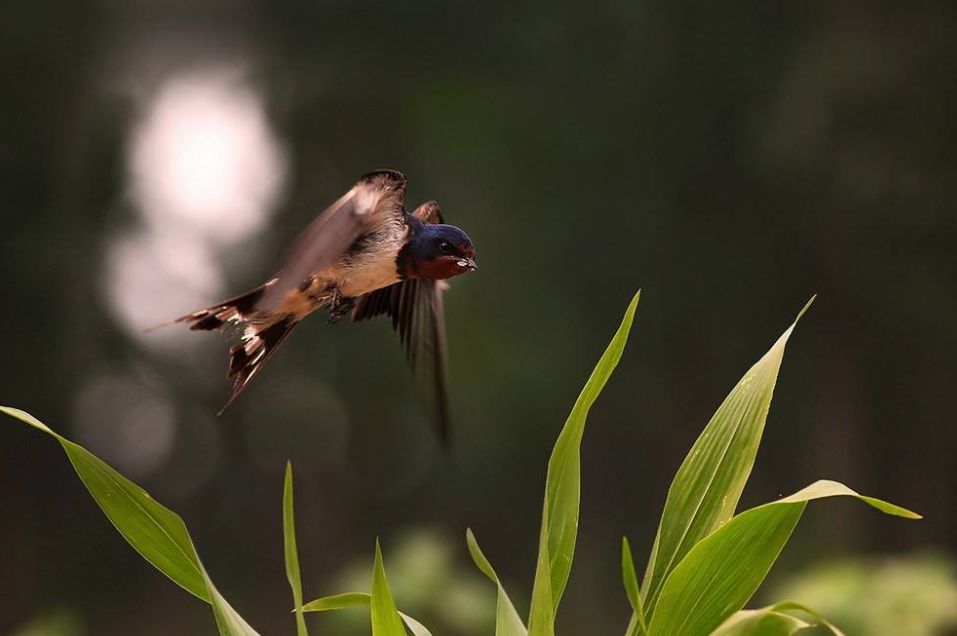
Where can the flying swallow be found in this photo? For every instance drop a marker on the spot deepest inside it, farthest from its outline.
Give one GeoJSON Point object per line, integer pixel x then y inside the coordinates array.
{"type": "Point", "coordinates": [364, 255]}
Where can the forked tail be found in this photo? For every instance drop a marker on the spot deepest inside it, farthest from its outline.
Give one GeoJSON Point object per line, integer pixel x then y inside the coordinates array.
{"type": "Point", "coordinates": [257, 335]}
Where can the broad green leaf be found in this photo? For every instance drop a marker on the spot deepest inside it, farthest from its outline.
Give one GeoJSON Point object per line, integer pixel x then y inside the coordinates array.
{"type": "Point", "coordinates": [630, 581]}
{"type": "Point", "coordinates": [707, 486]}
{"type": "Point", "coordinates": [359, 599]}
{"type": "Point", "coordinates": [718, 576]}
{"type": "Point", "coordinates": [291, 552]}
{"type": "Point", "coordinates": [156, 532]}
{"type": "Point", "coordinates": [507, 620]}
{"type": "Point", "coordinates": [385, 618]}
{"type": "Point", "coordinates": [562, 491]}
{"type": "Point", "coordinates": [774, 620]}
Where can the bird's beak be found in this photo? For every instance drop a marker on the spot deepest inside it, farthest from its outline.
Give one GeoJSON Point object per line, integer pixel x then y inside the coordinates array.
{"type": "Point", "coordinates": [470, 264]}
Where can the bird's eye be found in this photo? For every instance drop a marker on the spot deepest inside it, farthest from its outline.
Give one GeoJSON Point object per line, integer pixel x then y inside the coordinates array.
{"type": "Point", "coordinates": [445, 247]}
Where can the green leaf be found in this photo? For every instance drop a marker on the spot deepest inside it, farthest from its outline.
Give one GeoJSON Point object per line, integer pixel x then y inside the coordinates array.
{"type": "Point", "coordinates": [630, 581]}
{"type": "Point", "coordinates": [823, 488]}
{"type": "Point", "coordinates": [707, 486]}
{"type": "Point", "coordinates": [507, 620]}
{"type": "Point", "coordinates": [359, 599]}
{"type": "Point", "coordinates": [718, 576]}
{"type": "Point", "coordinates": [229, 622]}
{"type": "Point", "coordinates": [291, 552]}
{"type": "Point", "coordinates": [762, 622]}
{"type": "Point", "coordinates": [385, 618]}
{"type": "Point", "coordinates": [417, 628]}
{"type": "Point", "coordinates": [562, 491]}
{"type": "Point", "coordinates": [774, 620]}
{"type": "Point", "coordinates": [156, 532]}
{"type": "Point", "coordinates": [338, 602]}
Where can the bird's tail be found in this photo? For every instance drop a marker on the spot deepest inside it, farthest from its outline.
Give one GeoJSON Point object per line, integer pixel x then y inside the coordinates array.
{"type": "Point", "coordinates": [257, 336]}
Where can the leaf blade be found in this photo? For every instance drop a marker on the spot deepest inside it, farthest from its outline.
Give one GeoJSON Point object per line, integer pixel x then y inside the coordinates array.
{"type": "Point", "coordinates": [507, 620]}
{"type": "Point", "coordinates": [228, 620]}
{"type": "Point", "coordinates": [290, 550]}
{"type": "Point", "coordinates": [720, 573]}
{"type": "Point", "coordinates": [630, 582]}
{"type": "Point", "coordinates": [359, 599]}
{"type": "Point", "coordinates": [385, 617]}
{"type": "Point", "coordinates": [763, 622]}
{"type": "Point", "coordinates": [707, 486]}
{"type": "Point", "coordinates": [560, 509]}
{"type": "Point", "coordinates": [157, 533]}
{"type": "Point", "coordinates": [335, 602]}
{"type": "Point", "coordinates": [753, 622]}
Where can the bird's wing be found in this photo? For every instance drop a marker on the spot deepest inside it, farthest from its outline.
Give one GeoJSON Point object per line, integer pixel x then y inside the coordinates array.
{"type": "Point", "coordinates": [429, 212]}
{"type": "Point", "coordinates": [419, 317]}
{"type": "Point", "coordinates": [377, 197]}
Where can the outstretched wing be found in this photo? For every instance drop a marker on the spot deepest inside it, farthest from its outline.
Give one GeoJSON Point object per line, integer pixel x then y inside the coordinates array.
{"type": "Point", "coordinates": [378, 197]}
{"type": "Point", "coordinates": [418, 316]}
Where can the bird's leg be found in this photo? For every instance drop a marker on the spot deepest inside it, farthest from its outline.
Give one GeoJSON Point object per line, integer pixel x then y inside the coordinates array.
{"type": "Point", "coordinates": [340, 306]}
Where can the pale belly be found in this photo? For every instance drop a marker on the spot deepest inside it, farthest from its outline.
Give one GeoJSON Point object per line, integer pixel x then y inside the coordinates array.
{"type": "Point", "coordinates": [367, 274]}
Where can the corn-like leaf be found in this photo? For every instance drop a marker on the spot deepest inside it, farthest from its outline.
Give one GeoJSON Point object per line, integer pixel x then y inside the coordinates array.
{"type": "Point", "coordinates": [228, 620]}
{"type": "Point", "coordinates": [541, 615]}
{"type": "Point", "coordinates": [385, 617]}
{"type": "Point", "coordinates": [629, 579]}
{"type": "Point", "coordinates": [156, 532]}
{"type": "Point", "coordinates": [338, 602]}
{"type": "Point", "coordinates": [359, 599]}
{"type": "Point", "coordinates": [507, 620]}
{"type": "Point", "coordinates": [707, 486]}
{"type": "Point", "coordinates": [773, 620]}
{"type": "Point", "coordinates": [562, 491]}
{"type": "Point", "coordinates": [762, 622]}
{"type": "Point", "coordinates": [291, 551]}
{"type": "Point", "coordinates": [718, 576]}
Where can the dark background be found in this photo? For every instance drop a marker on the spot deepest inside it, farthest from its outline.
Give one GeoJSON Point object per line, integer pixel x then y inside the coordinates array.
{"type": "Point", "coordinates": [730, 159]}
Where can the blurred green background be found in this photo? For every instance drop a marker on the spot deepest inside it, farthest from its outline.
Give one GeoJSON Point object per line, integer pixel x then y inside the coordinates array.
{"type": "Point", "coordinates": [729, 159]}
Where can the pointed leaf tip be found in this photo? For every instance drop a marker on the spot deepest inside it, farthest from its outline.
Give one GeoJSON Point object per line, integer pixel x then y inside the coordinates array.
{"type": "Point", "coordinates": [157, 533]}
{"type": "Point", "coordinates": [385, 617]}
{"type": "Point", "coordinates": [507, 620]}
{"type": "Point", "coordinates": [807, 306]}
{"type": "Point", "coordinates": [823, 488]}
{"type": "Point", "coordinates": [559, 530]}
{"type": "Point", "coordinates": [291, 551]}
{"type": "Point", "coordinates": [739, 555]}
{"type": "Point", "coordinates": [478, 557]}
{"type": "Point", "coordinates": [709, 482]}
{"type": "Point", "coordinates": [628, 575]}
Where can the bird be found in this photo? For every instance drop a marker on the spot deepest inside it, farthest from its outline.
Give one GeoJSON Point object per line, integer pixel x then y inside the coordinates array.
{"type": "Point", "coordinates": [365, 255]}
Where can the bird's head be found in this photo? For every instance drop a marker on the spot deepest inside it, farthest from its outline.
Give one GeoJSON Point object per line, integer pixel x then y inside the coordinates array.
{"type": "Point", "coordinates": [438, 252]}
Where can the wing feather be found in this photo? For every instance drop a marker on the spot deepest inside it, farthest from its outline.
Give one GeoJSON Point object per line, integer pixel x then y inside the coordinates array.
{"type": "Point", "coordinates": [418, 316]}
{"type": "Point", "coordinates": [378, 197]}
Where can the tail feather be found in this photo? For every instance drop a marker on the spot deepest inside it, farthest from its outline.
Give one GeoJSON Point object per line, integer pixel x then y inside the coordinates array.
{"type": "Point", "coordinates": [258, 335]}
{"type": "Point", "coordinates": [235, 310]}
{"type": "Point", "coordinates": [257, 345]}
